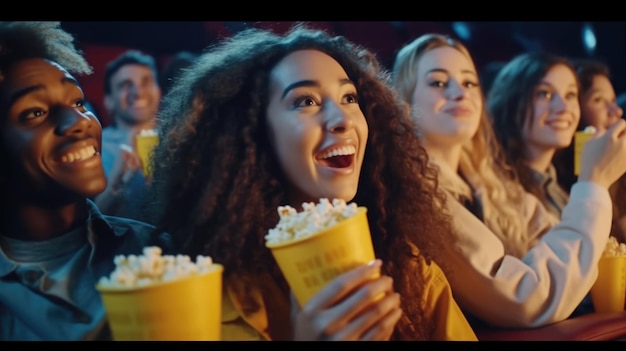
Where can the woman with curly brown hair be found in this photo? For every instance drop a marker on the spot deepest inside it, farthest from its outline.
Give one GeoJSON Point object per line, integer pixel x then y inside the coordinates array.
{"type": "Point", "coordinates": [263, 120]}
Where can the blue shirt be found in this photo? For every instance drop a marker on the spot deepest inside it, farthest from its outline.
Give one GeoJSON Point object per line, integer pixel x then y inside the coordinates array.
{"type": "Point", "coordinates": [134, 195]}
{"type": "Point", "coordinates": [47, 288]}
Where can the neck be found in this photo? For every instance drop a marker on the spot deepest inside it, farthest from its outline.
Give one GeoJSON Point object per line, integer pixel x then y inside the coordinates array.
{"type": "Point", "coordinates": [449, 155]}
{"type": "Point", "coordinates": [539, 159]}
{"type": "Point", "coordinates": [34, 222]}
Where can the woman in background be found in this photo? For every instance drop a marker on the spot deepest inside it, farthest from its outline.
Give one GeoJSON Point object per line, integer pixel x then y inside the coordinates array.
{"type": "Point", "coordinates": [514, 264]}
{"type": "Point", "coordinates": [599, 108]}
{"type": "Point", "coordinates": [533, 104]}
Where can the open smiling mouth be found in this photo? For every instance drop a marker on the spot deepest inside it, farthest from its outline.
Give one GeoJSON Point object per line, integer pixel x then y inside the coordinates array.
{"type": "Point", "coordinates": [338, 158]}
{"type": "Point", "coordinates": [79, 155]}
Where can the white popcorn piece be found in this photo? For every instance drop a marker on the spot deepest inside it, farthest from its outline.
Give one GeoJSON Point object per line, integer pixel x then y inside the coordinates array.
{"type": "Point", "coordinates": [590, 129]}
{"type": "Point", "coordinates": [152, 267]}
{"type": "Point", "coordinates": [312, 219]}
{"type": "Point", "coordinates": [148, 132]}
{"type": "Point", "coordinates": [614, 248]}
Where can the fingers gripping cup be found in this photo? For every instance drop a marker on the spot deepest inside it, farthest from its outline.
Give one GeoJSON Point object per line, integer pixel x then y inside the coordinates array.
{"type": "Point", "coordinates": [322, 242]}
{"type": "Point", "coordinates": [608, 293]}
{"type": "Point", "coordinates": [178, 306]}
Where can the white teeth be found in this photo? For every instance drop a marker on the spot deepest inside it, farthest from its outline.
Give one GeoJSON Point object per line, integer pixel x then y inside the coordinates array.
{"type": "Point", "coordinates": [81, 154]}
{"type": "Point", "coordinates": [345, 150]}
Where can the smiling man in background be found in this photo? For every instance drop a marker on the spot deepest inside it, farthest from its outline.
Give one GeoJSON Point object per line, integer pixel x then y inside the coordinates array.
{"type": "Point", "coordinates": [132, 98]}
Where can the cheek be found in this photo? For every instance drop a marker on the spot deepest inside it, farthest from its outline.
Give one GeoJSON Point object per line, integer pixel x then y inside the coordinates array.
{"type": "Point", "coordinates": [591, 114]}
{"type": "Point", "coordinates": [23, 154]}
{"type": "Point", "coordinates": [425, 110]}
{"type": "Point", "coordinates": [477, 99]}
{"type": "Point", "coordinates": [529, 124]}
{"type": "Point", "coordinates": [362, 129]}
{"type": "Point", "coordinates": [288, 140]}
{"type": "Point", "coordinates": [18, 145]}
{"type": "Point", "coordinates": [424, 99]}
{"type": "Point", "coordinates": [540, 111]}
{"type": "Point", "coordinates": [576, 111]}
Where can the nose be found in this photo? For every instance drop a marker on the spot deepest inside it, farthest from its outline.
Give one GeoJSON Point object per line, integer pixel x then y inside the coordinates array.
{"type": "Point", "coordinates": [70, 121]}
{"type": "Point", "coordinates": [134, 90]}
{"type": "Point", "coordinates": [558, 103]}
{"type": "Point", "coordinates": [455, 90]}
{"type": "Point", "coordinates": [615, 110]}
{"type": "Point", "coordinates": [337, 120]}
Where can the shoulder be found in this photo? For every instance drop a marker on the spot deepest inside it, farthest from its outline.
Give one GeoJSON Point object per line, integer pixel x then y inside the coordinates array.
{"type": "Point", "coordinates": [138, 233]}
{"type": "Point", "coordinates": [431, 271]}
{"type": "Point", "coordinates": [112, 134]}
{"type": "Point", "coordinates": [108, 131]}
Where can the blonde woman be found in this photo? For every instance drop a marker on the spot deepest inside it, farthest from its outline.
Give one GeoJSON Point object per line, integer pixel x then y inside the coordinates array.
{"type": "Point", "coordinates": [514, 264]}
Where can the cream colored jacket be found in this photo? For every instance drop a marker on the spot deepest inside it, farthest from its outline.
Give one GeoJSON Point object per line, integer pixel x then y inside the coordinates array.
{"type": "Point", "coordinates": [549, 280]}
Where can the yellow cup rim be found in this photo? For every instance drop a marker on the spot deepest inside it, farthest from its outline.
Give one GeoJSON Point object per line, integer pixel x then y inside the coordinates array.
{"type": "Point", "coordinates": [360, 209]}
{"type": "Point", "coordinates": [613, 257]}
{"type": "Point", "coordinates": [124, 289]}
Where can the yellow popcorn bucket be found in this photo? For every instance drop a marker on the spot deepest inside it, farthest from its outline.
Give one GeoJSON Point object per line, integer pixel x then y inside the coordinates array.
{"type": "Point", "coordinates": [185, 309]}
{"type": "Point", "coordinates": [145, 147]}
{"type": "Point", "coordinates": [580, 139]}
{"type": "Point", "coordinates": [309, 263]}
{"type": "Point", "coordinates": [608, 293]}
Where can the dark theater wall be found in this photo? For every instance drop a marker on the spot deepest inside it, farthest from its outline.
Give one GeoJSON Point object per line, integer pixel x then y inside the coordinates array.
{"type": "Point", "coordinates": [488, 41]}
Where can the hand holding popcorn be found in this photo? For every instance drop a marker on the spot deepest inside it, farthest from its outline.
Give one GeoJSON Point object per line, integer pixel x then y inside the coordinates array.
{"type": "Point", "coordinates": [324, 240]}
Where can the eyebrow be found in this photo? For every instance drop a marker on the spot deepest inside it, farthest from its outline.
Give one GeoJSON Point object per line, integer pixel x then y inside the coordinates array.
{"type": "Point", "coordinates": [446, 71]}
{"type": "Point", "coordinates": [30, 89]}
{"type": "Point", "coordinates": [310, 83]}
{"type": "Point", "coordinates": [552, 86]}
{"type": "Point", "coordinates": [596, 90]}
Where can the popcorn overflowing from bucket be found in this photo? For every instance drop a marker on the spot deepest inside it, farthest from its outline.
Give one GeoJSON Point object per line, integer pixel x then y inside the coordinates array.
{"type": "Point", "coordinates": [614, 248]}
{"type": "Point", "coordinates": [312, 219]}
{"type": "Point", "coordinates": [151, 268]}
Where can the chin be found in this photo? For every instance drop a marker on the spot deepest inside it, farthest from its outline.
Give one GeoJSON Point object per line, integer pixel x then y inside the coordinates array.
{"type": "Point", "coordinates": [346, 195]}
{"type": "Point", "coordinates": [561, 144]}
{"type": "Point", "coordinates": [93, 189]}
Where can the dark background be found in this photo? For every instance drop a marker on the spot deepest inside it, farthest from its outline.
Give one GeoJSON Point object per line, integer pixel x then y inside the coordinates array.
{"type": "Point", "coordinates": [487, 41]}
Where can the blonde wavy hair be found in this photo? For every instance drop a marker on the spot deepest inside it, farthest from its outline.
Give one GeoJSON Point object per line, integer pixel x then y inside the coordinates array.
{"type": "Point", "coordinates": [482, 160]}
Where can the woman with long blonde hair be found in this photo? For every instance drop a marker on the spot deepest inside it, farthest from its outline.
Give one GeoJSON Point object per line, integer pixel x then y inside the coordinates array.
{"type": "Point", "coordinates": [514, 264]}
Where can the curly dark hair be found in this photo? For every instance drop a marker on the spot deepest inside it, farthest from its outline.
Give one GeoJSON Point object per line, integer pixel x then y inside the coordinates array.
{"type": "Point", "coordinates": [22, 40]}
{"type": "Point", "coordinates": [217, 181]}
{"type": "Point", "coordinates": [510, 104]}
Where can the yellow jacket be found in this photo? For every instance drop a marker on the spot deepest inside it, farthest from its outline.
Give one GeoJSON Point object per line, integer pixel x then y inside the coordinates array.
{"type": "Point", "coordinates": [441, 309]}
